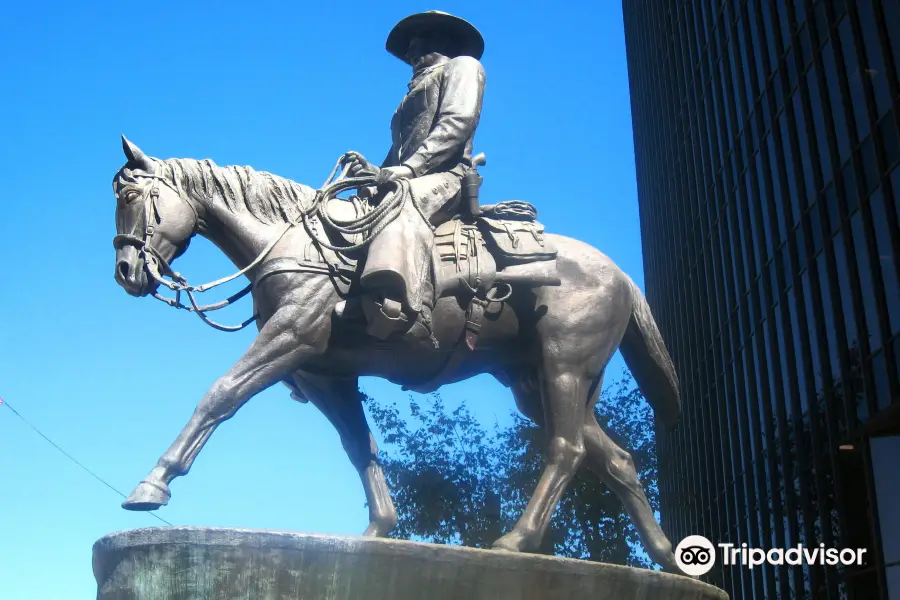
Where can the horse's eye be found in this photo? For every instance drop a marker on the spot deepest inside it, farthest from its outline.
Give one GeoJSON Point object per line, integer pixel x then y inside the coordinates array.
{"type": "Point", "coordinates": [131, 196]}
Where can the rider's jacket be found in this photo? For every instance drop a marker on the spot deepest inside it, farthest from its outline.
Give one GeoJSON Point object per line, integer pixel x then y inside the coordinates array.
{"type": "Point", "coordinates": [434, 126]}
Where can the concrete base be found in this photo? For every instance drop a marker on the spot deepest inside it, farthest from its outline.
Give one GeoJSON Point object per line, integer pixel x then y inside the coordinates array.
{"type": "Point", "coordinates": [198, 563]}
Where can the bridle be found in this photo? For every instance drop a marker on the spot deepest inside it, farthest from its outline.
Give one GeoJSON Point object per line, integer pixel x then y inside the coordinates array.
{"type": "Point", "coordinates": [158, 267]}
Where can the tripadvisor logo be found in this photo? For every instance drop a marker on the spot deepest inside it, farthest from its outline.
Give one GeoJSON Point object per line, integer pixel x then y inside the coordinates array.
{"type": "Point", "coordinates": [696, 555]}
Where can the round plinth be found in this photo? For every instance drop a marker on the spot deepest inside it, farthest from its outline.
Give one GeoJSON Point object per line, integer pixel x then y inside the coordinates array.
{"type": "Point", "coordinates": [200, 563]}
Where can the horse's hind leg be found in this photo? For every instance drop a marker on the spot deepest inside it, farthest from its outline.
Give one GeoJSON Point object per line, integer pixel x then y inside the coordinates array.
{"type": "Point", "coordinates": [340, 401]}
{"type": "Point", "coordinates": [611, 463]}
{"type": "Point", "coordinates": [565, 395]}
{"type": "Point", "coordinates": [616, 468]}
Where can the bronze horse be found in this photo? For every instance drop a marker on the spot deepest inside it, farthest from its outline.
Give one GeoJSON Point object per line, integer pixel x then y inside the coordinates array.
{"type": "Point", "coordinates": [549, 345]}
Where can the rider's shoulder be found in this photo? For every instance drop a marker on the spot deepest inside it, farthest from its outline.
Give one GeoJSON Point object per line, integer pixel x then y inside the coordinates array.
{"type": "Point", "coordinates": [465, 64]}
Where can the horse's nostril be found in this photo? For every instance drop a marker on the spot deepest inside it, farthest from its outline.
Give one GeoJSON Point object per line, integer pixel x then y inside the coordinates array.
{"type": "Point", "coordinates": [123, 269]}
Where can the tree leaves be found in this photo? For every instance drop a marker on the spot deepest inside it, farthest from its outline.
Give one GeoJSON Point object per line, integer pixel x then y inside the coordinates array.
{"type": "Point", "coordinates": [456, 482]}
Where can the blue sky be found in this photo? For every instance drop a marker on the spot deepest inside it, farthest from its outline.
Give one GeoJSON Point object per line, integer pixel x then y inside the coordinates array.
{"type": "Point", "coordinates": [283, 87]}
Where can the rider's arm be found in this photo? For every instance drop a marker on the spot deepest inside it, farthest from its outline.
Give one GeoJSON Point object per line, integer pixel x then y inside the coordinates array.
{"type": "Point", "coordinates": [391, 160]}
{"type": "Point", "coordinates": [457, 116]}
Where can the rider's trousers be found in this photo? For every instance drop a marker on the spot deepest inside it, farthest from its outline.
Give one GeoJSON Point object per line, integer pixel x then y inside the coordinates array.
{"type": "Point", "coordinates": [399, 262]}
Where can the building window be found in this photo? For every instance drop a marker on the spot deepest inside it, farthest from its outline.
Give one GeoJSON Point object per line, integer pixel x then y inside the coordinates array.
{"type": "Point", "coordinates": [886, 476]}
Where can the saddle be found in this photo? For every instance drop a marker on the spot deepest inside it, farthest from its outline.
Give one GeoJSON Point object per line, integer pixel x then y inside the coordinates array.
{"type": "Point", "coordinates": [505, 244]}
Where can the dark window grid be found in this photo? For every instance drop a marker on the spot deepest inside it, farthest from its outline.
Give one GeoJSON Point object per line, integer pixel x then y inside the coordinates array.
{"type": "Point", "coordinates": [874, 324]}
{"type": "Point", "coordinates": [762, 187]}
{"type": "Point", "coordinates": [745, 233]}
{"type": "Point", "coordinates": [736, 380]}
{"type": "Point", "coordinates": [786, 351]}
{"type": "Point", "coordinates": [770, 511]}
{"type": "Point", "coordinates": [691, 40]}
{"type": "Point", "coordinates": [720, 124]}
{"type": "Point", "coordinates": [730, 259]}
{"type": "Point", "coordinates": [889, 192]}
{"type": "Point", "coordinates": [838, 297]}
{"type": "Point", "coordinates": [878, 294]}
{"type": "Point", "coordinates": [838, 88]}
{"type": "Point", "coordinates": [717, 272]}
{"type": "Point", "coordinates": [820, 25]}
{"type": "Point", "coordinates": [823, 443]}
{"type": "Point", "coordinates": [875, 523]}
{"type": "Point", "coordinates": [757, 45]}
{"type": "Point", "coordinates": [875, 14]}
{"type": "Point", "coordinates": [890, 18]}
{"type": "Point", "coordinates": [709, 418]}
{"type": "Point", "coordinates": [755, 483]}
{"type": "Point", "coordinates": [878, 366]}
{"type": "Point", "coordinates": [787, 184]}
{"type": "Point", "coordinates": [757, 237]}
{"type": "Point", "coordinates": [806, 164]}
{"type": "Point", "coordinates": [691, 433]}
{"type": "Point", "coordinates": [833, 103]}
{"type": "Point", "coordinates": [784, 23]}
{"type": "Point", "coordinates": [816, 129]}
{"type": "Point", "coordinates": [869, 49]}
{"type": "Point", "coordinates": [888, 135]}
{"type": "Point", "coordinates": [687, 58]}
{"type": "Point", "coordinates": [800, 374]}
{"type": "Point", "coordinates": [725, 92]}
{"type": "Point", "coordinates": [822, 123]}
{"type": "Point", "coordinates": [859, 313]}
{"type": "Point", "coordinates": [736, 76]}
{"type": "Point", "coordinates": [722, 259]}
{"type": "Point", "coordinates": [743, 53]}
{"type": "Point", "coordinates": [773, 172]}
{"type": "Point", "coordinates": [718, 417]}
{"type": "Point", "coordinates": [732, 455]}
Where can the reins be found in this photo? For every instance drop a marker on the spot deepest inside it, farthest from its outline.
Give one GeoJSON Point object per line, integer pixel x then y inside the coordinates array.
{"type": "Point", "coordinates": [369, 225]}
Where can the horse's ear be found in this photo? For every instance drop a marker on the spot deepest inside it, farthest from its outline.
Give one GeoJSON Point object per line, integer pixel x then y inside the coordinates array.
{"type": "Point", "coordinates": [136, 157]}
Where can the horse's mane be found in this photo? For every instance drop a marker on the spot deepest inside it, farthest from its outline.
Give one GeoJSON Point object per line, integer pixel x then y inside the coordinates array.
{"type": "Point", "coordinates": [267, 197]}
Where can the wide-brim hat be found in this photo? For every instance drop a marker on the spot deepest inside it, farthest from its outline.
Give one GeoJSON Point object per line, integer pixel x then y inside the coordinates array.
{"type": "Point", "coordinates": [469, 41]}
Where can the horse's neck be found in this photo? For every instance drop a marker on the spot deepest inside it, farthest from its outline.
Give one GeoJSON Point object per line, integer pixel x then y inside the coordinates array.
{"type": "Point", "coordinates": [237, 234]}
{"type": "Point", "coordinates": [244, 211]}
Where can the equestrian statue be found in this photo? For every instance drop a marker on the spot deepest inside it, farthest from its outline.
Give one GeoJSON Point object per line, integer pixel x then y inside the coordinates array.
{"type": "Point", "coordinates": [409, 279]}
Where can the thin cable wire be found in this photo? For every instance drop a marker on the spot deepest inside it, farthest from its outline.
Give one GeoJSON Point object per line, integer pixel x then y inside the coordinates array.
{"type": "Point", "coordinates": [70, 457]}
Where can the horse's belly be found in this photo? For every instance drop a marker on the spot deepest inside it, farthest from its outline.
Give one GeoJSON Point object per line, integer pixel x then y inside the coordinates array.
{"type": "Point", "coordinates": [355, 353]}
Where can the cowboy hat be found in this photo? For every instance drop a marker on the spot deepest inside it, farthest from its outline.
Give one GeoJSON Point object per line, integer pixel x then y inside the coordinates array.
{"type": "Point", "coordinates": [468, 39]}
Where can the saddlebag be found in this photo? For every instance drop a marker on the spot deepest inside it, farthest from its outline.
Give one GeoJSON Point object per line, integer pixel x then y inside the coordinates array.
{"type": "Point", "coordinates": [514, 241]}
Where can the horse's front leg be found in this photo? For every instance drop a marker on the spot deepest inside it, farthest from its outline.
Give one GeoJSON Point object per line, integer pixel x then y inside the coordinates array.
{"type": "Point", "coordinates": [293, 333]}
{"type": "Point", "coordinates": [339, 399]}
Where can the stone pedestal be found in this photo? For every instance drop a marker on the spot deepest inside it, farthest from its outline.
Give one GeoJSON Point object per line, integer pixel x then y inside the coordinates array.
{"type": "Point", "coordinates": [194, 563]}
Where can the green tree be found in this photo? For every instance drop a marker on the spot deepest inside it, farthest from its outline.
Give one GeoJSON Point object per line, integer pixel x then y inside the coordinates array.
{"type": "Point", "coordinates": [457, 482]}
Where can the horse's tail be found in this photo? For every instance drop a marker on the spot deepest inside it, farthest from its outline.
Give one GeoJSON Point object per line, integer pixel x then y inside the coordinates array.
{"type": "Point", "coordinates": [645, 354]}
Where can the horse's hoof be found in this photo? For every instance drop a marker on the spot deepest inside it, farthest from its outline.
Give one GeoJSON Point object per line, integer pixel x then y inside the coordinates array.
{"type": "Point", "coordinates": [374, 530]}
{"type": "Point", "coordinates": [148, 496]}
{"type": "Point", "coordinates": [669, 565]}
{"type": "Point", "coordinates": [511, 542]}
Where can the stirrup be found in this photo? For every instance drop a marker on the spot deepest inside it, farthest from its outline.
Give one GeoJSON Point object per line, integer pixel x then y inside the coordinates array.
{"type": "Point", "coordinates": [386, 320]}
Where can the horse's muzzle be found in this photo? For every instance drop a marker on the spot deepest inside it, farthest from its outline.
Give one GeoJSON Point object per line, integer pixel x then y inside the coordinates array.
{"type": "Point", "coordinates": [131, 272]}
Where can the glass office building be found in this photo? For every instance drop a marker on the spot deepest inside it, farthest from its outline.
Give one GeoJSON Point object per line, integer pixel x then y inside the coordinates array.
{"type": "Point", "coordinates": [768, 165]}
